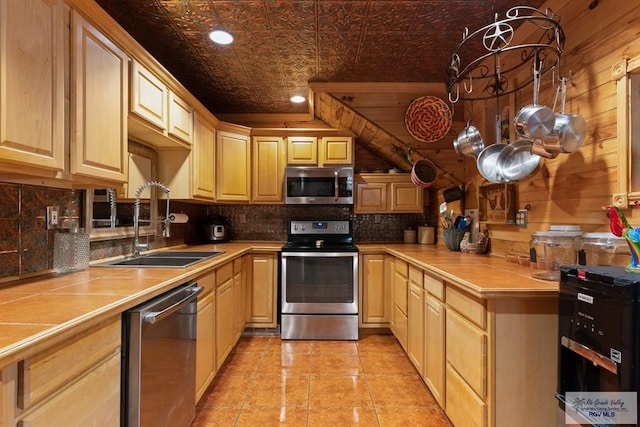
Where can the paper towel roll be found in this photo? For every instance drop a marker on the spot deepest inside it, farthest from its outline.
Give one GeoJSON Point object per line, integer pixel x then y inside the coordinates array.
{"type": "Point", "coordinates": [426, 235]}
{"type": "Point", "coordinates": [178, 218]}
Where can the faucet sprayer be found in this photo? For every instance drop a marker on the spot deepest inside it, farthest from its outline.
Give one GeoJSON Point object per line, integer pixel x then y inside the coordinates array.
{"type": "Point", "coordinates": [137, 246]}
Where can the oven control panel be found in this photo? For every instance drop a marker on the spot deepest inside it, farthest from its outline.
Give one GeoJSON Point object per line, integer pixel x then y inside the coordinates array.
{"type": "Point", "coordinates": [320, 227]}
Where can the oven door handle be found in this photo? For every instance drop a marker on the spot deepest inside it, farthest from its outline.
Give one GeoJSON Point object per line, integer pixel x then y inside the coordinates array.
{"type": "Point", "coordinates": [155, 316]}
{"type": "Point", "coordinates": [593, 356]}
{"type": "Point", "coordinates": [337, 187]}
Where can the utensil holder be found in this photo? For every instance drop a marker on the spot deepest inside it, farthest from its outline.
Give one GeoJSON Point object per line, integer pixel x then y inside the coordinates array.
{"type": "Point", "coordinates": [452, 238]}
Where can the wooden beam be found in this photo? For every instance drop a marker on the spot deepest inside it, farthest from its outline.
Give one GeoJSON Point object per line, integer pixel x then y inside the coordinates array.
{"type": "Point", "coordinates": [379, 87]}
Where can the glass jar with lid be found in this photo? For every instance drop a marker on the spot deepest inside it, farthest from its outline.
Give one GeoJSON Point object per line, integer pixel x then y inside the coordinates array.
{"type": "Point", "coordinates": [548, 250]}
{"type": "Point", "coordinates": [603, 249]}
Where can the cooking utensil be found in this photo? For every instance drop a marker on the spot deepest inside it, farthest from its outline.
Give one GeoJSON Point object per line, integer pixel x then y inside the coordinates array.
{"type": "Point", "coordinates": [469, 141]}
{"type": "Point", "coordinates": [516, 162]}
{"type": "Point", "coordinates": [487, 165]}
{"type": "Point", "coordinates": [568, 131]}
{"type": "Point", "coordinates": [535, 121]}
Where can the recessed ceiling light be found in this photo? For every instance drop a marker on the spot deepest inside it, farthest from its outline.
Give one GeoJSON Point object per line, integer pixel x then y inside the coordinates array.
{"type": "Point", "coordinates": [220, 37]}
{"type": "Point", "coordinates": [298, 99]}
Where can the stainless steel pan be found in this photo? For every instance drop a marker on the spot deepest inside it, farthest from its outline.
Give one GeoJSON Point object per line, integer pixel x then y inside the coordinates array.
{"type": "Point", "coordinates": [516, 162]}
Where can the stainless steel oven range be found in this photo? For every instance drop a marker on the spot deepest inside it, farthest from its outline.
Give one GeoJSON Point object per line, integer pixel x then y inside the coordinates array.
{"type": "Point", "coordinates": [319, 281]}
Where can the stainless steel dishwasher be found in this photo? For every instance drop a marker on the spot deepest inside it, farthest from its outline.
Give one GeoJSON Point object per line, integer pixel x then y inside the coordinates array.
{"type": "Point", "coordinates": [159, 355]}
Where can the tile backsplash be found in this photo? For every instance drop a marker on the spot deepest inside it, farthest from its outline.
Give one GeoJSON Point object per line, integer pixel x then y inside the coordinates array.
{"type": "Point", "coordinates": [26, 246]}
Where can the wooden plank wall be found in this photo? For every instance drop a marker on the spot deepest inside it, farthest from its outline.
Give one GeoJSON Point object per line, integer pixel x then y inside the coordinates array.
{"type": "Point", "coordinates": [572, 188]}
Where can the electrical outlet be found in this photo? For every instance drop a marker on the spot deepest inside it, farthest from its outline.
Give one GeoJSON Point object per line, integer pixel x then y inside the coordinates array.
{"type": "Point", "coordinates": [53, 217]}
{"type": "Point", "coordinates": [522, 218]}
{"type": "Point", "coordinates": [243, 218]}
{"type": "Point", "coordinates": [377, 219]}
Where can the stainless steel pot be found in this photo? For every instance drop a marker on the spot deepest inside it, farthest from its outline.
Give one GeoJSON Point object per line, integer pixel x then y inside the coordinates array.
{"type": "Point", "coordinates": [535, 121]}
{"type": "Point", "coordinates": [469, 141]}
{"type": "Point", "coordinates": [516, 162]}
{"type": "Point", "coordinates": [568, 131]}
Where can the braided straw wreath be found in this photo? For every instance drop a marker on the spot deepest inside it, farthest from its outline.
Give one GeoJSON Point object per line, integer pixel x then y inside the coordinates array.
{"type": "Point", "coordinates": [428, 119]}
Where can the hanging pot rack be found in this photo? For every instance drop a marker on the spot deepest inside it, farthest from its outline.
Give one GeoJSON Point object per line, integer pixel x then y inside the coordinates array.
{"type": "Point", "coordinates": [472, 76]}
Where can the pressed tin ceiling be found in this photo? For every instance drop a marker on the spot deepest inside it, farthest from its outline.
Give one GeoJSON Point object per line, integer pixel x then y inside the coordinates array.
{"type": "Point", "coordinates": [282, 45]}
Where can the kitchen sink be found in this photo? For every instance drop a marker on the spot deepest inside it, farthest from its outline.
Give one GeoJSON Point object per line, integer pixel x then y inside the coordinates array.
{"type": "Point", "coordinates": [166, 259]}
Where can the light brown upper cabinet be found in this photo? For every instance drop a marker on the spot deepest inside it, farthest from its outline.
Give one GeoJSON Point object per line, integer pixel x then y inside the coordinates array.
{"type": "Point", "coordinates": [387, 193]}
{"type": "Point", "coordinates": [319, 151]}
{"type": "Point", "coordinates": [32, 88]}
{"type": "Point", "coordinates": [335, 150]}
{"type": "Point", "coordinates": [302, 150]}
{"type": "Point", "coordinates": [98, 119]}
{"type": "Point", "coordinates": [268, 161]}
{"type": "Point", "coordinates": [233, 164]}
{"type": "Point", "coordinates": [158, 116]}
{"type": "Point", "coordinates": [190, 174]}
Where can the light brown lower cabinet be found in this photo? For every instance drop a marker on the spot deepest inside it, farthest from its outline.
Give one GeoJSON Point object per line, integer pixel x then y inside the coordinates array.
{"type": "Point", "coordinates": [415, 340]}
{"type": "Point", "coordinates": [76, 382]}
{"type": "Point", "coordinates": [224, 322]}
{"type": "Point", "coordinates": [262, 290]}
{"type": "Point", "coordinates": [375, 291]}
{"type": "Point", "coordinates": [464, 407]}
{"type": "Point", "coordinates": [434, 347]}
{"type": "Point", "coordinates": [205, 343]}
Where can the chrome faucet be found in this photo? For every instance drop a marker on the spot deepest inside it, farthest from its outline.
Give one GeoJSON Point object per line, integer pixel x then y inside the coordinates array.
{"type": "Point", "coordinates": [137, 246]}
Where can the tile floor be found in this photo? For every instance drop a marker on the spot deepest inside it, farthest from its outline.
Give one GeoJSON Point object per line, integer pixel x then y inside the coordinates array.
{"type": "Point", "coordinates": [270, 382]}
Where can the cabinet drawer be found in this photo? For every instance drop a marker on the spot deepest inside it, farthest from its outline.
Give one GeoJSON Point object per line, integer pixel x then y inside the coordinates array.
{"type": "Point", "coordinates": [207, 282]}
{"type": "Point", "coordinates": [415, 275]}
{"type": "Point", "coordinates": [466, 351]}
{"type": "Point", "coordinates": [434, 286]}
{"type": "Point", "coordinates": [224, 273]}
{"type": "Point", "coordinates": [401, 325]}
{"type": "Point", "coordinates": [463, 407]}
{"type": "Point", "coordinates": [45, 373]}
{"type": "Point", "coordinates": [402, 267]}
{"type": "Point", "coordinates": [92, 400]}
{"type": "Point", "coordinates": [400, 292]}
{"type": "Point", "coordinates": [237, 265]}
{"type": "Point", "coordinates": [470, 307]}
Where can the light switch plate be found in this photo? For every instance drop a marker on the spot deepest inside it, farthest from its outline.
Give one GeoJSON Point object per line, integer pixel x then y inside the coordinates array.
{"type": "Point", "coordinates": [522, 218]}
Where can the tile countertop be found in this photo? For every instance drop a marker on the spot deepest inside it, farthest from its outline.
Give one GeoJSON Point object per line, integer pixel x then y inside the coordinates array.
{"type": "Point", "coordinates": [38, 312]}
{"type": "Point", "coordinates": [484, 276]}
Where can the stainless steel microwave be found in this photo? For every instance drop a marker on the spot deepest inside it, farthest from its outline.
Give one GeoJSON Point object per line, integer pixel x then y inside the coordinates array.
{"type": "Point", "coordinates": [320, 186]}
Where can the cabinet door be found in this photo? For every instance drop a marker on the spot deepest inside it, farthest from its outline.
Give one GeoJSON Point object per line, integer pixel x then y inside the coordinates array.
{"type": "Point", "coordinates": [371, 197]}
{"type": "Point", "coordinates": [205, 343]}
{"type": "Point", "coordinates": [92, 400]}
{"type": "Point", "coordinates": [180, 118]}
{"type": "Point", "coordinates": [375, 290]}
{"type": "Point", "coordinates": [239, 301]}
{"type": "Point", "coordinates": [415, 339]}
{"type": "Point", "coordinates": [302, 150]}
{"type": "Point", "coordinates": [203, 159]}
{"type": "Point", "coordinates": [466, 351]}
{"type": "Point", "coordinates": [32, 87]}
{"type": "Point", "coordinates": [268, 169]}
{"type": "Point", "coordinates": [232, 167]}
{"type": "Point", "coordinates": [262, 285]}
{"type": "Point", "coordinates": [434, 360]}
{"type": "Point", "coordinates": [99, 97]}
{"type": "Point", "coordinates": [406, 197]}
{"type": "Point", "coordinates": [149, 96]}
{"type": "Point", "coordinates": [224, 321]}
{"type": "Point", "coordinates": [336, 150]}
{"type": "Point", "coordinates": [463, 407]}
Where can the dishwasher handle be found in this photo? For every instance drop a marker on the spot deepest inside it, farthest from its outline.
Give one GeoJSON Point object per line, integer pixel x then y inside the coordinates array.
{"type": "Point", "coordinates": [155, 316]}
